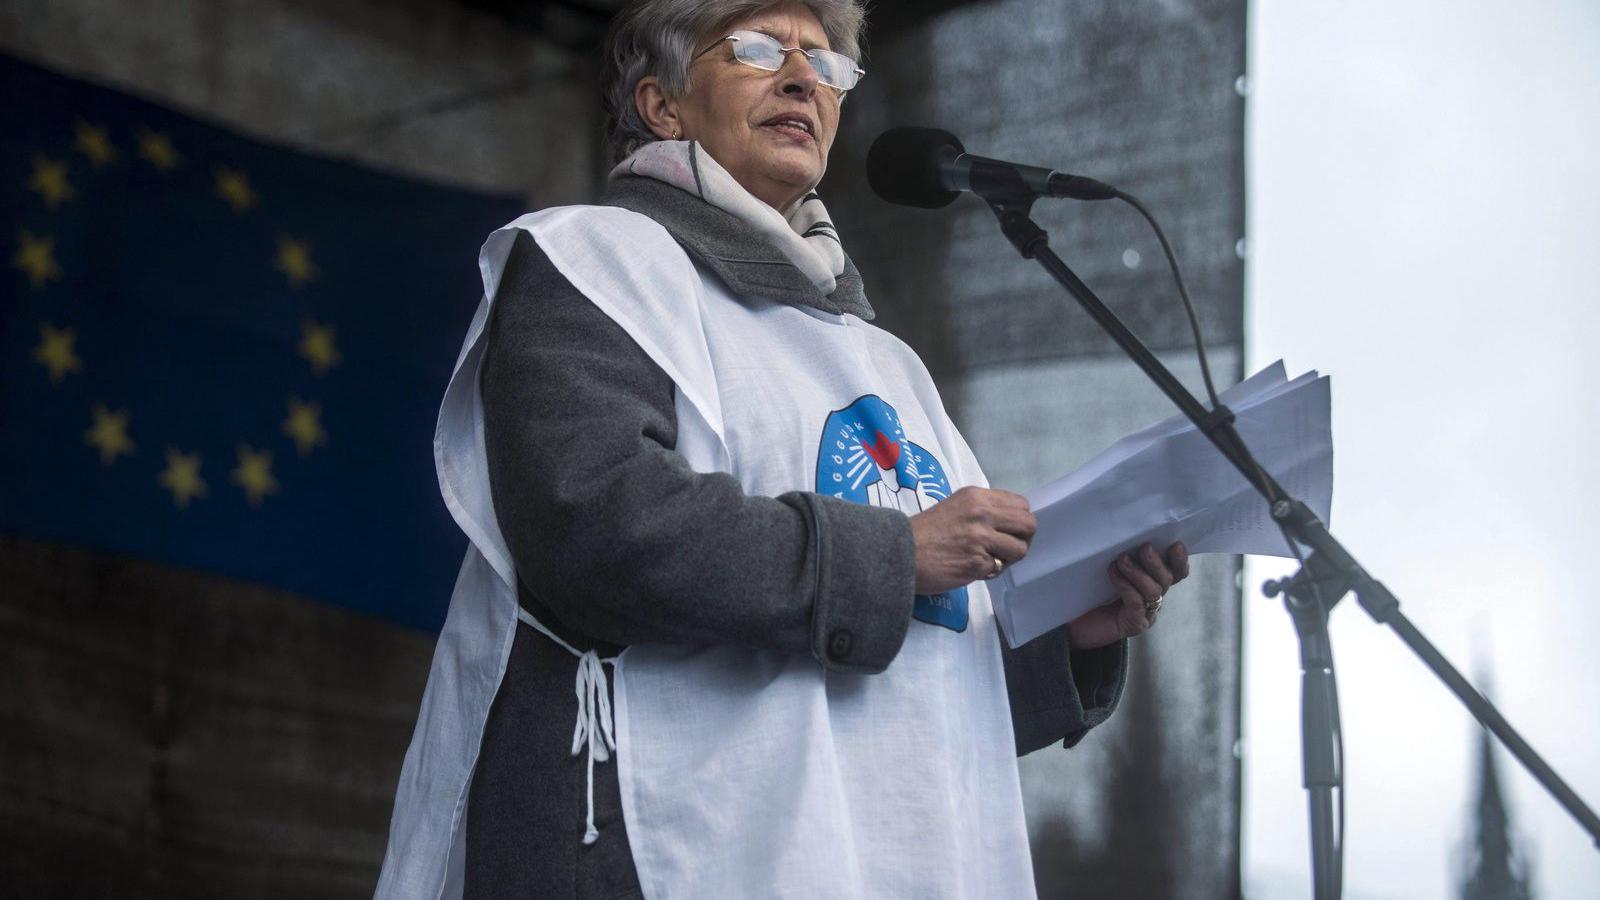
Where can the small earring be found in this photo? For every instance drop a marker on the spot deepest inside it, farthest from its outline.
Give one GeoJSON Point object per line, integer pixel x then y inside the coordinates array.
{"type": "Point", "coordinates": [674, 133]}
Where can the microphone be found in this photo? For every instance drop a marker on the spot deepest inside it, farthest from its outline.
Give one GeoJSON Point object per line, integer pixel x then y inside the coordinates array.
{"type": "Point", "coordinates": [929, 168]}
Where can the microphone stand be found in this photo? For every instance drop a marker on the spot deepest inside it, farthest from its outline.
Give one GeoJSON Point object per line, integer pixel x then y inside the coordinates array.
{"type": "Point", "coordinates": [1328, 566]}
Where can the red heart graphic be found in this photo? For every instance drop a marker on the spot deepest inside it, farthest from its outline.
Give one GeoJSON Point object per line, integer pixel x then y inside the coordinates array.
{"type": "Point", "coordinates": [883, 451]}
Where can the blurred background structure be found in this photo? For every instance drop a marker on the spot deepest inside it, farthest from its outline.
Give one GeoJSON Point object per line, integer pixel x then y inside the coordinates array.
{"type": "Point", "coordinates": [241, 254]}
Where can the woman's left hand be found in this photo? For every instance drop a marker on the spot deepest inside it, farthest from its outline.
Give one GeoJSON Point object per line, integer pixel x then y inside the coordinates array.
{"type": "Point", "coordinates": [1142, 579]}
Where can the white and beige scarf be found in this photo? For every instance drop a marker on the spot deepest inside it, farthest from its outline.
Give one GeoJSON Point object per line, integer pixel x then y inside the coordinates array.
{"type": "Point", "coordinates": [805, 235]}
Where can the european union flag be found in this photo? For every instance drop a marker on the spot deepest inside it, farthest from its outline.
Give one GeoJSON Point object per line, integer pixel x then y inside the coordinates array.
{"type": "Point", "coordinates": [225, 355]}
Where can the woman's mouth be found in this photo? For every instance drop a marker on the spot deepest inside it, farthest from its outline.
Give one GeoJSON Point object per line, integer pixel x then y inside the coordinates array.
{"type": "Point", "coordinates": [793, 126]}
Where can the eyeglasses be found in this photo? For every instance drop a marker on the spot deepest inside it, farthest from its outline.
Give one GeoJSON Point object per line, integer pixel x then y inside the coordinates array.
{"type": "Point", "coordinates": [765, 52]}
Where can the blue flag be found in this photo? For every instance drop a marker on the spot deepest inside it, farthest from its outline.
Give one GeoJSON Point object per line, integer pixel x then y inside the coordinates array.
{"type": "Point", "coordinates": [224, 355]}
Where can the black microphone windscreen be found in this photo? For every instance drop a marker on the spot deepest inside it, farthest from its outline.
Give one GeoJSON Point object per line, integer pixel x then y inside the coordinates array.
{"type": "Point", "coordinates": [903, 166]}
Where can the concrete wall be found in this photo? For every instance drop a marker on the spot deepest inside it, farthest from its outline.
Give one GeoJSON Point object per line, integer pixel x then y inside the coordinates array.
{"type": "Point", "coordinates": [417, 87]}
{"type": "Point", "coordinates": [171, 733]}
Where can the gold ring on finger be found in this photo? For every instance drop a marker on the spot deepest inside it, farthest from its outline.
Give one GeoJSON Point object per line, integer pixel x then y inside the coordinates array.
{"type": "Point", "coordinates": [999, 566]}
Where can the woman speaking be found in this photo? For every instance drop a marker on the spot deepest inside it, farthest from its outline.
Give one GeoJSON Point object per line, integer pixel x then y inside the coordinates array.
{"type": "Point", "coordinates": [722, 629]}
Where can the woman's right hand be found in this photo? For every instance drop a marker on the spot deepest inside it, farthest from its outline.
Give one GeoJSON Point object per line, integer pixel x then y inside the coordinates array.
{"type": "Point", "coordinates": [959, 538]}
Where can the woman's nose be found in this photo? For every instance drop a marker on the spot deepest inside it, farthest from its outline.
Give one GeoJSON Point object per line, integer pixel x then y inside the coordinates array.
{"type": "Point", "coordinates": [797, 77]}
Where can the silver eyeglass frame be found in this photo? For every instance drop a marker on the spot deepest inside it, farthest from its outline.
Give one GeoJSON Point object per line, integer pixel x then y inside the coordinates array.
{"type": "Point", "coordinates": [854, 66]}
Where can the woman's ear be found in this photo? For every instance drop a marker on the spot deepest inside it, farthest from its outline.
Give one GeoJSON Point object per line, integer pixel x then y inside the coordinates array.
{"type": "Point", "coordinates": [659, 111]}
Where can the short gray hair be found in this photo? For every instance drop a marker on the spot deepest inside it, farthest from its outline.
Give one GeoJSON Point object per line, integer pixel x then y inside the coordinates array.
{"type": "Point", "coordinates": [658, 37]}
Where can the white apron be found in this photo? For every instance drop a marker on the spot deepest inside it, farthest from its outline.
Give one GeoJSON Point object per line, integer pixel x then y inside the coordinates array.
{"type": "Point", "coordinates": [743, 773]}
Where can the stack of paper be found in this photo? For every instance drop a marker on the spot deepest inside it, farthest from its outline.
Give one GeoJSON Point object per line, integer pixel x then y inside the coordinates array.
{"type": "Point", "coordinates": [1163, 484]}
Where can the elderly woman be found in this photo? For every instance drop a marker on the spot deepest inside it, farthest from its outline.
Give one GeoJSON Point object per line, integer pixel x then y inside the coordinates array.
{"type": "Point", "coordinates": [703, 489]}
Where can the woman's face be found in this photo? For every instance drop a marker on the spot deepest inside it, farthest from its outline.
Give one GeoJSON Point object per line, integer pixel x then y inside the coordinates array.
{"type": "Point", "coordinates": [746, 118]}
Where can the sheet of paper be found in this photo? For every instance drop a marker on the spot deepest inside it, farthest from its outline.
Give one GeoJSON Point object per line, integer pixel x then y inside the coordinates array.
{"type": "Point", "coordinates": [1168, 483]}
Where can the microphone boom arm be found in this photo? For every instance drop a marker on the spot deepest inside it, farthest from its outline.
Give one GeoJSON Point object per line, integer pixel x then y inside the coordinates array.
{"type": "Point", "coordinates": [1011, 199]}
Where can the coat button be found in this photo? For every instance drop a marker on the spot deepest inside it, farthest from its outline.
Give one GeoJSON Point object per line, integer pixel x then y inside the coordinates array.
{"type": "Point", "coordinates": [839, 644]}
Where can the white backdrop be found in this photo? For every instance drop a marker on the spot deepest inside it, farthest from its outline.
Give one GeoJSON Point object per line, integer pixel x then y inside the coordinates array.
{"type": "Point", "coordinates": [1424, 224]}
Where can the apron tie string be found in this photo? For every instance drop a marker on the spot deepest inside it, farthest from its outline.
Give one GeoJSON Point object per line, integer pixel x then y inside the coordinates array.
{"type": "Point", "coordinates": [593, 729]}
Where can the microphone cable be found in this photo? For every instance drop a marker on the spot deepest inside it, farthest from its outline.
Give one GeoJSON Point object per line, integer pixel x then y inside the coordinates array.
{"type": "Point", "coordinates": [1183, 290]}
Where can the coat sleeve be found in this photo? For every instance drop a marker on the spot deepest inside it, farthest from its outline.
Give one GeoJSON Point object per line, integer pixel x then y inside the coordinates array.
{"type": "Point", "coordinates": [622, 541]}
{"type": "Point", "coordinates": [1057, 693]}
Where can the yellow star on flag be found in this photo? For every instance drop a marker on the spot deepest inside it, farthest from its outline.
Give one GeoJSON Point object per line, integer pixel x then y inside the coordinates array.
{"type": "Point", "coordinates": [254, 474]}
{"type": "Point", "coordinates": [157, 149]}
{"type": "Point", "coordinates": [182, 477]}
{"type": "Point", "coordinates": [55, 352]}
{"type": "Point", "coordinates": [109, 434]}
{"type": "Point", "coordinates": [35, 256]}
{"type": "Point", "coordinates": [50, 181]}
{"type": "Point", "coordinates": [234, 187]}
{"type": "Point", "coordinates": [95, 143]}
{"type": "Point", "coordinates": [294, 260]}
{"type": "Point", "coordinates": [304, 426]}
{"type": "Point", "coordinates": [316, 345]}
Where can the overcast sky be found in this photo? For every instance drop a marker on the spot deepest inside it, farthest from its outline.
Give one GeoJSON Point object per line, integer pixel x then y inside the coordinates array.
{"type": "Point", "coordinates": [1425, 227]}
